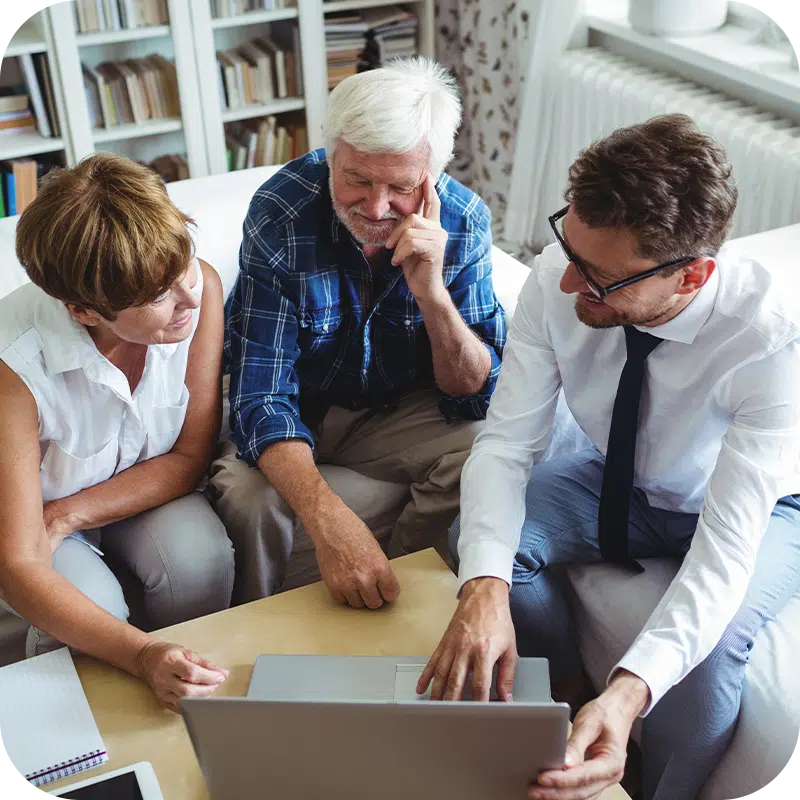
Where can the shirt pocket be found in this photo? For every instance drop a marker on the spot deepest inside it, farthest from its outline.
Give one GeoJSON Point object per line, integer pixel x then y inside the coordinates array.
{"type": "Point", "coordinates": [402, 324]}
{"type": "Point", "coordinates": [63, 473]}
{"type": "Point", "coordinates": [164, 426]}
{"type": "Point", "coordinates": [319, 329]}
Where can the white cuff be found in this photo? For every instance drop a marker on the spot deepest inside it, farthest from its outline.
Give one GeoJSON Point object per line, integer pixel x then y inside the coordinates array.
{"type": "Point", "coordinates": [652, 664]}
{"type": "Point", "coordinates": [485, 559]}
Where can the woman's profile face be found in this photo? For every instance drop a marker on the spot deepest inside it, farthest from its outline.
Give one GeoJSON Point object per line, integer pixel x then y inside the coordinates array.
{"type": "Point", "coordinates": [166, 320]}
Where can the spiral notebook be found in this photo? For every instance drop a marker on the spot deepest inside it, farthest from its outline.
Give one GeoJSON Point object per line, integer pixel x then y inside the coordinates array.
{"type": "Point", "coordinates": [46, 724]}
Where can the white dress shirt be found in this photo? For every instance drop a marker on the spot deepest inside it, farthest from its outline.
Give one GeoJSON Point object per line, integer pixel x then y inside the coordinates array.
{"type": "Point", "coordinates": [719, 435]}
{"type": "Point", "coordinates": [90, 425]}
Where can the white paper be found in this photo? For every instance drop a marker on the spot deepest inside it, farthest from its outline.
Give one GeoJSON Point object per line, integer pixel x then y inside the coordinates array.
{"type": "Point", "coordinates": [45, 718]}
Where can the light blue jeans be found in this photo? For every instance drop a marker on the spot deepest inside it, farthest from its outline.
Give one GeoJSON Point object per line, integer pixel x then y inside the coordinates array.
{"type": "Point", "coordinates": [688, 731]}
{"type": "Point", "coordinates": [176, 562]}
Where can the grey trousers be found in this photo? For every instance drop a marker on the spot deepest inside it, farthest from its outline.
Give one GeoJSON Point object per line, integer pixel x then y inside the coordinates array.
{"type": "Point", "coordinates": [399, 471]}
{"type": "Point", "coordinates": [175, 562]}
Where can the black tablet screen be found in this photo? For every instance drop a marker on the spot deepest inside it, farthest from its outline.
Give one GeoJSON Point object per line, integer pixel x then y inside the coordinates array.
{"type": "Point", "coordinates": [121, 787]}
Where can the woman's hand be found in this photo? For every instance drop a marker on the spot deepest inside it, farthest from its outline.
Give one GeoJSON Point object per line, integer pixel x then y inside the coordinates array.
{"type": "Point", "coordinates": [174, 672]}
{"type": "Point", "coordinates": [59, 522]}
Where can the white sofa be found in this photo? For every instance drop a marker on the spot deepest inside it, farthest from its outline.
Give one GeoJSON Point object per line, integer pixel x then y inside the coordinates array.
{"type": "Point", "coordinates": [611, 606]}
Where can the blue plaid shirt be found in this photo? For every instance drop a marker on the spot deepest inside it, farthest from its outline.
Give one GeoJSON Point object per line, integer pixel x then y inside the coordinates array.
{"type": "Point", "coordinates": [308, 325]}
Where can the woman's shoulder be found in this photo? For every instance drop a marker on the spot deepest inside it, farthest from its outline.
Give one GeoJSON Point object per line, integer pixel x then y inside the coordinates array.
{"type": "Point", "coordinates": [18, 320]}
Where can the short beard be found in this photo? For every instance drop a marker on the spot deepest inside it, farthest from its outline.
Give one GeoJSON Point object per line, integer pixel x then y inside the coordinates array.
{"type": "Point", "coordinates": [619, 318]}
{"type": "Point", "coordinates": [364, 233]}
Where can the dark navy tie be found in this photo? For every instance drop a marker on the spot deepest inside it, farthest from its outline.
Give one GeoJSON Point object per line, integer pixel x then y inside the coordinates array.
{"type": "Point", "coordinates": [615, 495]}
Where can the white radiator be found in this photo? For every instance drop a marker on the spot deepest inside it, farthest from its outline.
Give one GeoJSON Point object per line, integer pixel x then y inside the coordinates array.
{"type": "Point", "coordinates": [598, 91]}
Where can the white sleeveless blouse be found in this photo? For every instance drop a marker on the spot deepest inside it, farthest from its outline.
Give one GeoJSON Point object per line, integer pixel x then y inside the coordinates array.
{"type": "Point", "coordinates": [90, 426]}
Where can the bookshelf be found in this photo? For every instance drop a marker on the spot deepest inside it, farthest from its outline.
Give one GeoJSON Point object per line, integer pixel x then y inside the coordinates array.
{"type": "Point", "coordinates": [191, 39]}
{"type": "Point", "coordinates": [213, 35]}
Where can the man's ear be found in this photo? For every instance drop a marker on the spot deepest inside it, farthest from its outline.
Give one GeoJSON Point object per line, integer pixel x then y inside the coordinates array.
{"type": "Point", "coordinates": [83, 315]}
{"type": "Point", "coordinates": [695, 274]}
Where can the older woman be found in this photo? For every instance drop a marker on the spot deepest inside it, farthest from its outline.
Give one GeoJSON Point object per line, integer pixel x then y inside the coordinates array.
{"type": "Point", "coordinates": [111, 402]}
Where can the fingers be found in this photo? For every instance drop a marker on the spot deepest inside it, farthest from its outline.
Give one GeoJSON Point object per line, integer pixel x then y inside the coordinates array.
{"type": "Point", "coordinates": [584, 781]}
{"type": "Point", "coordinates": [418, 242]}
{"type": "Point", "coordinates": [371, 596]}
{"type": "Point", "coordinates": [441, 673]}
{"type": "Point", "coordinates": [389, 586]}
{"type": "Point", "coordinates": [415, 222]}
{"type": "Point", "coordinates": [185, 668]}
{"type": "Point", "coordinates": [204, 662]}
{"type": "Point", "coordinates": [431, 204]}
{"type": "Point", "coordinates": [506, 667]}
{"type": "Point", "coordinates": [353, 598]}
{"type": "Point", "coordinates": [395, 235]}
{"type": "Point", "coordinates": [427, 673]}
{"type": "Point", "coordinates": [458, 677]}
{"type": "Point", "coordinates": [482, 678]}
{"type": "Point", "coordinates": [585, 731]}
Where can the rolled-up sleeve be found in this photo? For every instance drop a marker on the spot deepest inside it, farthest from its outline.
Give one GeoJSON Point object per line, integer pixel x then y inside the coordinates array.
{"type": "Point", "coordinates": [262, 346]}
{"type": "Point", "coordinates": [473, 295]}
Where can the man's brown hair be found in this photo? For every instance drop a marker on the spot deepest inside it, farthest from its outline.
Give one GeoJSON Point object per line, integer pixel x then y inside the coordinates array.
{"type": "Point", "coordinates": [662, 180]}
{"type": "Point", "coordinates": [104, 235]}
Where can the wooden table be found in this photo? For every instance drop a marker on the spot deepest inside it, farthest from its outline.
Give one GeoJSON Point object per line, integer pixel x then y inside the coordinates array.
{"type": "Point", "coordinates": [134, 727]}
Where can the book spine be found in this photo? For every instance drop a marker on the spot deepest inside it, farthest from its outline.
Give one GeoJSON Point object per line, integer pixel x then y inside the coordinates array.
{"type": "Point", "coordinates": [11, 193]}
{"type": "Point", "coordinates": [26, 61]}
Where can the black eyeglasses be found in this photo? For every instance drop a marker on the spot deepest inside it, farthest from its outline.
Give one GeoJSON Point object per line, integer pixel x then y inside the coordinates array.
{"type": "Point", "coordinates": [601, 292]}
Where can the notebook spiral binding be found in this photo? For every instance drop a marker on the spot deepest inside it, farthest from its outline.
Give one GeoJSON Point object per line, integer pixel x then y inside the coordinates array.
{"type": "Point", "coordinates": [66, 768]}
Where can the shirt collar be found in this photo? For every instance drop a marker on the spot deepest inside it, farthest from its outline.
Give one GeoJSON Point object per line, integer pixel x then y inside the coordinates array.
{"type": "Point", "coordinates": [67, 345]}
{"type": "Point", "coordinates": [685, 327]}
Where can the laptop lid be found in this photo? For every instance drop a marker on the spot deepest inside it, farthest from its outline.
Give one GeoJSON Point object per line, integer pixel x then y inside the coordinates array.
{"type": "Point", "coordinates": [370, 749]}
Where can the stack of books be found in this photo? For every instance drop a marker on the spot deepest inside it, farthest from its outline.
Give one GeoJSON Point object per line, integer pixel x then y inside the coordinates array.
{"type": "Point", "coordinates": [261, 70]}
{"type": "Point", "coordinates": [392, 33]}
{"type": "Point", "coordinates": [93, 16]}
{"type": "Point", "coordinates": [233, 8]}
{"type": "Point", "coordinates": [26, 97]}
{"type": "Point", "coordinates": [171, 167]}
{"type": "Point", "coordinates": [344, 44]}
{"type": "Point", "coordinates": [261, 142]}
{"type": "Point", "coordinates": [132, 91]}
{"type": "Point", "coordinates": [19, 181]}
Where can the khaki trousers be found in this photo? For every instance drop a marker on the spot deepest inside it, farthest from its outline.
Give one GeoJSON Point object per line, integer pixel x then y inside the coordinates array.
{"type": "Point", "coordinates": [399, 471]}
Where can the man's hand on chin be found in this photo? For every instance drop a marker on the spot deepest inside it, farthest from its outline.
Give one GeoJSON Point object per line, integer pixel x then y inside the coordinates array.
{"type": "Point", "coordinates": [597, 748]}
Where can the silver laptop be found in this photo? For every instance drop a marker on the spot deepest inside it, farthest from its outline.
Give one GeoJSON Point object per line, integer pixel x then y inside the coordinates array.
{"type": "Point", "coordinates": [353, 727]}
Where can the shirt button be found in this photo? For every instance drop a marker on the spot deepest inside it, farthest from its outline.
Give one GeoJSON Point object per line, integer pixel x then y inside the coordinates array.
{"type": "Point", "coordinates": [325, 327]}
{"type": "Point", "coordinates": [407, 323]}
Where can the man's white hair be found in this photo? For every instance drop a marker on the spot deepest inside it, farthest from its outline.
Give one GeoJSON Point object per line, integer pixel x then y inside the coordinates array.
{"type": "Point", "coordinates": [394, 109]}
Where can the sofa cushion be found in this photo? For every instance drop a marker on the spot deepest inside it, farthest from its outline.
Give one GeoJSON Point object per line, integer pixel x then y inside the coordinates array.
{"type": "Point", "coordinates": [608, 622]}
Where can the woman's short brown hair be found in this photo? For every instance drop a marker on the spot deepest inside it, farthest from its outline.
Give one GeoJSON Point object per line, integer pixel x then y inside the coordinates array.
{"type": "Point", "coordinates": [104, 235]}
{"type": "Point", "coordinates": [662, 180]}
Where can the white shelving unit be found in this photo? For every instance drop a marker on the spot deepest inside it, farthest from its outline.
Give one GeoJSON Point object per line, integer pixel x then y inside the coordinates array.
{"type": "Point", "coordinates": [191, 39]}
{"type": "Point", "coordinates": [212, 35]}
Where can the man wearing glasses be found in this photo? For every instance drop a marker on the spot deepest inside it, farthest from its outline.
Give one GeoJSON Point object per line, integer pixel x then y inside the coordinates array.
{"type": "Point", "coordinates": [684, 376]}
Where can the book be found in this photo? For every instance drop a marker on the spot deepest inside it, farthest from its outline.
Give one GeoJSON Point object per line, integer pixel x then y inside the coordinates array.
{"type": "Point", "coordinates": [16, 121]}
{"type": "Point", "coordinates": [12, 102]}
{"type": "Point", "coordinates": [43, 73]}
{"type": "Point", "coordinates": [10, 189]}
{"type": "Point", "coordinates": [48, 728]}
{"type": "Point", "coordinates": [37, 103]}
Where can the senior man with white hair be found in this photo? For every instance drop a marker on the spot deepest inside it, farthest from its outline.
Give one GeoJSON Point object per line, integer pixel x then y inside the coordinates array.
{"type": "Point", "coordinates": [363, 331]}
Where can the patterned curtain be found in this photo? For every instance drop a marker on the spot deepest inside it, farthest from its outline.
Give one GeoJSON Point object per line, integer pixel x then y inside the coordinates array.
{"type": "Point", "coordinates": [482, 42]}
